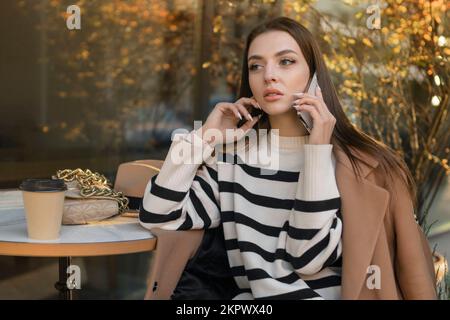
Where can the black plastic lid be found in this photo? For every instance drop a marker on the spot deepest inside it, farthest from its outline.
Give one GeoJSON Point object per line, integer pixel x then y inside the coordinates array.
{"type": "Point", "coordinates": [43, 185]}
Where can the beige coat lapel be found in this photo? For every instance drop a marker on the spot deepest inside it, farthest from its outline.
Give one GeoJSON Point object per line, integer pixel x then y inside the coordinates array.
{"type": "Point", "coordinates": [364, 205]}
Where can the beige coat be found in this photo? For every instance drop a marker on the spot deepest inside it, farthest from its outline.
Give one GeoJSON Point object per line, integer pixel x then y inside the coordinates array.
{"type": "Point", "coordinates": [380, 237]}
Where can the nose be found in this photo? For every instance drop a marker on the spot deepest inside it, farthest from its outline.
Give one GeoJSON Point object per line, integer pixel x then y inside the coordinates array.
{"type": "Point", "coordinates": [270, 74]}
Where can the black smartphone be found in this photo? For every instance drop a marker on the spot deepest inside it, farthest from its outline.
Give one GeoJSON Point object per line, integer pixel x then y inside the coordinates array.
{"type": "Point", "coordinates": [254, 112]}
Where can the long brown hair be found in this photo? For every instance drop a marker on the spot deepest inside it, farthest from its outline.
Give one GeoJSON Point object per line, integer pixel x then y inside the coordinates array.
{"type": "Point", "coordinates": [345, 134]}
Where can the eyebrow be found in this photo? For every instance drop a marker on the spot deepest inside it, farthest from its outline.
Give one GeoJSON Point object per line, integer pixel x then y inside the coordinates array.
{"type": "Point", "coordinates": [256, 57]}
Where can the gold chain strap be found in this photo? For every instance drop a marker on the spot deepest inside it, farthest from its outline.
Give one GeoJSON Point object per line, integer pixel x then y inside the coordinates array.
{"type": "Point", "coordinates": [94, 184]}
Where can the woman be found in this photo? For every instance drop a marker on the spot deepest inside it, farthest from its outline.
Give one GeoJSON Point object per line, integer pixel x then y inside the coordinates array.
{"type": "Point", "coordinates": [330, 216]}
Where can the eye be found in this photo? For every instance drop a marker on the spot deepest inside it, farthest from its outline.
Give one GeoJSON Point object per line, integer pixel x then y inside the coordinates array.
{"type": "Point", "coordinates": [286, 62]}
{"type": "Point", "coordinates": [253, 67]}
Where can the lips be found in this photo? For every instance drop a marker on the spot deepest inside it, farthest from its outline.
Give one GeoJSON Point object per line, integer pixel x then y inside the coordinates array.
{"type": "Point", "coordinates": [271, 98]}
{"type": "Point", "coordinates": [272, 92]}
{"type": "Point", "coordinates": [272, 95]}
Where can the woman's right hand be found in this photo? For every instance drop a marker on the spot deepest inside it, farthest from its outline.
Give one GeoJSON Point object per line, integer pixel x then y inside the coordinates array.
{"type": "Point", "coordinates": [226, 115]}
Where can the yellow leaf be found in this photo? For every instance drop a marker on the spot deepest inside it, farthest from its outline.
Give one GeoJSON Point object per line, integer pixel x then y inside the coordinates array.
{"type": "Point", "coordinates": [128, 81]}
{"type": "Point", "coordinates": [367, 42]}
{"type": "Point", "coordinates": [84, 54]}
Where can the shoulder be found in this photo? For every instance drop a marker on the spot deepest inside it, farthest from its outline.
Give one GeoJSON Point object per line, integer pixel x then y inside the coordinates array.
{"type": "Point", "coordinates": [392, 177]}
{"type": "Point", "coordinates": [385, 170]}
{"type": "Point", "coordinates": [365, 162]}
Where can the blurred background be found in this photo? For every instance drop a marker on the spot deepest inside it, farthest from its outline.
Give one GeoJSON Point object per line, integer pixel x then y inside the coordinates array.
{"type": "Point", "coordinates": [115, 90]}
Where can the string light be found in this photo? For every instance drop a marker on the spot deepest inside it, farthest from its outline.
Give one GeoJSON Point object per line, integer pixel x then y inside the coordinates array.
{"type": "Point", "coordinates": [442, 41]}
{"type": "Point", "coordinates": [435, 101]}
{"type": "Point", "coordinates": [437, 80]}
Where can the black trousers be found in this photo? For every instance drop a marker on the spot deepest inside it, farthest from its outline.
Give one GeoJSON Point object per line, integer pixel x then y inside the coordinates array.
{"type": "Point", "coordinates": [207, 275]}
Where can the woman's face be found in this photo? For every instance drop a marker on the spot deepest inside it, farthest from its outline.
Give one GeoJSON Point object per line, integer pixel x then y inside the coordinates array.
{"type": "Point", "coordinates": [277, 69]}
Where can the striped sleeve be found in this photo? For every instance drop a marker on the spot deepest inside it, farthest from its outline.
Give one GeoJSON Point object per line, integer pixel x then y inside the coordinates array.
{"type": "Point", "coordinates": [184, 194]}
{"type": "Point", "coordinates": [313, 240]}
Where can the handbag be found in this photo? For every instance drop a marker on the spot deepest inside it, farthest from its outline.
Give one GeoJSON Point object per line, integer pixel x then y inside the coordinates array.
{"type": "Point", "coordinates": [89, 197]}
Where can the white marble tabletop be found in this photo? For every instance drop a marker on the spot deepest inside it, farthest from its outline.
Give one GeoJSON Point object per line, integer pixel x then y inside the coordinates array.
{"type": "Point", "coordinates": [13, 226]}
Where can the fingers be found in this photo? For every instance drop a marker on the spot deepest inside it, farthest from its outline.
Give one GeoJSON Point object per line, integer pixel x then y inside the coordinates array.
{"type": "Point", "coordinates": [323, 119]}
{"type": "Point", "coordinates": [316, 107]}
{"type": "Point", "coordinates": [321, 116]}
{"type": "Point", "coordinates": [240, 109]}
{"type": "Point", "coordinates": [249, 101]}
{"type": "Point", "coordinates": [322, 105]}
{"type": "Point", "coordinates": [244, 111]}
{"type": "Point", "coordinates": [257, 104]}
{"type": "Point", "coordinates": [314, 101]}
{"type": "Point", "coordinates": [317, 94]}
{"type": "Point", "coordinates": [317, 102]}
{"type": "Point", "coordinates": [248, 125]}
{"type": "Point", "coordinates": [233, 109]}
{"type": "Point", "coordinates": [317, 118]}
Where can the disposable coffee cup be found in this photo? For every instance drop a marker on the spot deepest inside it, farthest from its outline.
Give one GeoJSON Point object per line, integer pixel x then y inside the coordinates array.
{"type": "Point", "coordinates": [43, 200]}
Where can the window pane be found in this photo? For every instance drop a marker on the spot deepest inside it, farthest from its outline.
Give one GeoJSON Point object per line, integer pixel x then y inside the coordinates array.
{"type": "Point", "coordinates": [92, 98]}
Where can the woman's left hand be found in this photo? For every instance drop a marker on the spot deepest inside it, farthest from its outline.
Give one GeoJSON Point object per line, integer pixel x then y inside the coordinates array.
{"type": "Point", "coordinates": [323, 120]}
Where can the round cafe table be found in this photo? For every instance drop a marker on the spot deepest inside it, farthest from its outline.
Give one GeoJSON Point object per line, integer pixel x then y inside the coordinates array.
{"type": "Point", "coordinates": [114, 236]}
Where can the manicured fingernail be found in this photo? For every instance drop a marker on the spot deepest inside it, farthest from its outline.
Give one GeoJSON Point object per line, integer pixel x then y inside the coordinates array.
{"type": "Point", "coordinates": [249, 117]}
{"type": "Point", "coordinates": [239, 115]}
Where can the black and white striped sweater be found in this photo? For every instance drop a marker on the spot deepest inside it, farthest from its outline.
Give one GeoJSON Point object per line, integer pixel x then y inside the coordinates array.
{"type": "Point", "coordinates": [282, 225]}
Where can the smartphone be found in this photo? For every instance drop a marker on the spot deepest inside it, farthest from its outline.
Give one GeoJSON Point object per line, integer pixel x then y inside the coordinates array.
{"type": "Point", "coordinates": [304, 116]}
{"type": "Point", "coordinates": [254, 112]}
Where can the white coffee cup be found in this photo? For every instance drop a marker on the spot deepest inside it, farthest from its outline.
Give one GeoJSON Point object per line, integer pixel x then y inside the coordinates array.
{"type": "Point", "coordinates": [44, 203]}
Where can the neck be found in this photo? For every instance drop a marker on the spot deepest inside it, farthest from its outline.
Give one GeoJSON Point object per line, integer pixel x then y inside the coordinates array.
{"type": "Point", "coordinates": [288, 124]}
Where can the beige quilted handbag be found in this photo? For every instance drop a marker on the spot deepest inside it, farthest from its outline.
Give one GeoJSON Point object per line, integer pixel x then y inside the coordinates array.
{"type": "Point", "coordinates": [89, 197]}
